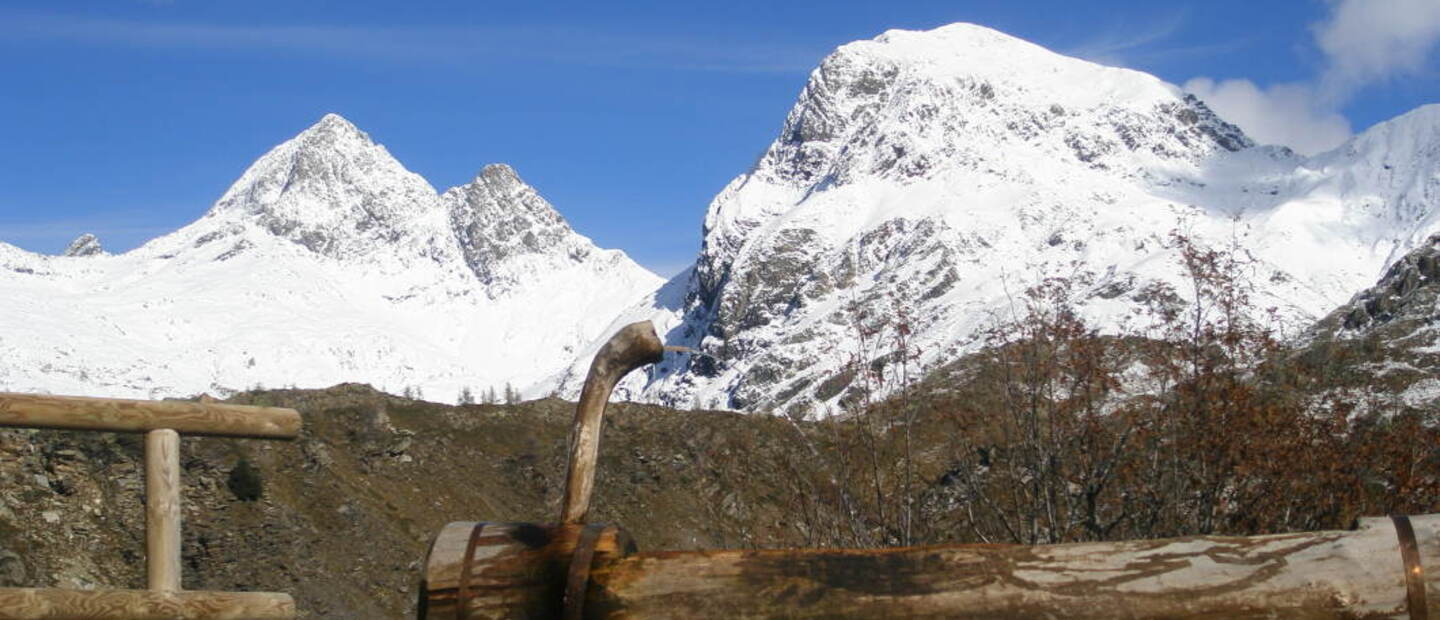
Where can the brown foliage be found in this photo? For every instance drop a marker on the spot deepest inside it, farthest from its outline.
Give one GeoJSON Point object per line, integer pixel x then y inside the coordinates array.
{"type": "Point", "coordinates": [1196, 423]}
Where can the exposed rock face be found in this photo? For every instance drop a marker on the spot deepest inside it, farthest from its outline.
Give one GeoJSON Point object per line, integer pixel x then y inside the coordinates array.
{"type": "Point", "coordinates": [1406, 292]}
{"type": "Point", "coordinates": [502, 223]}
{"type": "Point", "coordinates": [84, 245]}
{"type": "Point", "coordinates": [326, 262]}
{"type": "Point", "coordinates": [925, 179]}
{"type": "Point", "coordinates": [1384, 345]}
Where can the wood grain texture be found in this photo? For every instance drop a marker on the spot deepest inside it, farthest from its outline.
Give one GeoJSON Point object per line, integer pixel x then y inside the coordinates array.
{"type": "Point", "coordinates": [48, 604]}
{"type": "Point", "coordinates": [635, 345]}
{"type": "Point", "coordinates": [109, 414]}
{"type": "Point", "coordinates": [518, 570]}
{"type": "Point", "coordinates": [162, 510]}
{"type": "Point", "coordinates": [1335, 574]}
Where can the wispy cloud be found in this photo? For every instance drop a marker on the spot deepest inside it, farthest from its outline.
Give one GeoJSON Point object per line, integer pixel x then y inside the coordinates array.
{"type": "Point", "coordinates": [428, 44]}
{"type": "Point", "coordinates": [1364, 42]}
{"type": "Point", "coordinates": [1118, 45]}
{"type": "Point", "coordinates": [1147, 44]}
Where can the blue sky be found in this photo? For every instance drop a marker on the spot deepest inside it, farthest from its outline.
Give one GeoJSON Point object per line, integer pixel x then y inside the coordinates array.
{"type": "Point", "coordinates": [128, 118]}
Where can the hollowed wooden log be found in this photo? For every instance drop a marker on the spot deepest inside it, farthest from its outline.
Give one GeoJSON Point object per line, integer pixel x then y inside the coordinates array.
{"type": "Point", "coordinates": [1334, 574]}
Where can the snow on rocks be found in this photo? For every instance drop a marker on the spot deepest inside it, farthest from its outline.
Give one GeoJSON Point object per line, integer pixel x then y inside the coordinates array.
{"type": "Point", "coordinates": [932, 176]}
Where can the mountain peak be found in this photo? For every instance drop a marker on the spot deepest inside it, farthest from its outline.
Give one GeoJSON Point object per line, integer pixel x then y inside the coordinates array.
{"type": "Point", "coordinates": [331, 189]}
{"type": "Point", "coordinates": [84, 245]}
{"type": "Point", "coordinates": [908, 103]}
{"type": "Point", "coordinates": [959, 37]}
{"type": "Point", "coordinates": [499, 218]}
{"type": "Point", "coordinates": [331, 131]}
{"type": "Point", "coordinates": [970, 51]}
{"type": "Point", "coordinates": [498, 173]}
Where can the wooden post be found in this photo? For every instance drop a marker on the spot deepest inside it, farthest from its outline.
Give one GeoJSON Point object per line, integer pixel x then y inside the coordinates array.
{"type": "Point", "coordinates": [162, 510]}
{"type": "Point", "coordinates": [632, 347]}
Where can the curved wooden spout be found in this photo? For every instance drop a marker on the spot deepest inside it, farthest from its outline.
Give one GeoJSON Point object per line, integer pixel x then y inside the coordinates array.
{"type": "Point", "coordinates": [632, 347]}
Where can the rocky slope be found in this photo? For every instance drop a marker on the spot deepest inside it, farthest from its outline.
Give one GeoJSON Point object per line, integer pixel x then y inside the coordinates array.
{"type": "Point", "coordinates": [1384, 344]}
{"type": "Point", "coordinates": [341, 518]}
{"type": "Point", "coordinates": [326, 262]}
{"type": "Point", "coordinates": [925, 179]}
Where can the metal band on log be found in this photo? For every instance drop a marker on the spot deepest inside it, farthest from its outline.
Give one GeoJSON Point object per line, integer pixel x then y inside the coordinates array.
{"type": "Point", "coordinates": [48, 604]}
{"type": "Point", "coordinates": [138, 416]}
{"type": "Point", "coordinates": [577, 581]}
{"type": "Point", "coordinates": [1416, 600]}
{"type": "Point", "coordinates": [513, 570]}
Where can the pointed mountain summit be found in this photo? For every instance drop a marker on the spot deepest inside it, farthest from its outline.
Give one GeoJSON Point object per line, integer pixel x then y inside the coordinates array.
{"type": "Point", "coordinates": [507, 231]}
{"type": "Point", "coordinates": [330, 189]}
{"type": "Point", "coordinates": [84, 245]}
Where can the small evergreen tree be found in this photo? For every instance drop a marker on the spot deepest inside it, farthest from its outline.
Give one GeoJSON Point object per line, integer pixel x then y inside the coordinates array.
{"type": "Point", "coordinates": [466, 397]}
{"type": "Point", "coordinates": [244, 482]}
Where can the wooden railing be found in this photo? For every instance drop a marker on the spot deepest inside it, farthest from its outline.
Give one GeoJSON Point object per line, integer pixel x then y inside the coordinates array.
{"type": "Point", "coordinates": [162, 422]}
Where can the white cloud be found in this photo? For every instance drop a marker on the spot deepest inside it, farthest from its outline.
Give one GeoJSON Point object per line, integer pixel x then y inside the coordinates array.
{"type": "Point", "coordinates": [1368, 41]}
{"type": "Point", "coordinates": [1364, 42]}
{"type": "Point", "coordinates": [1281, 114]}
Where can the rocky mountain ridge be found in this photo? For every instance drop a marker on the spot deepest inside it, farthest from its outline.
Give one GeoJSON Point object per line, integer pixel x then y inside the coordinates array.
{"type": "Point", "coordinates": [327, 261]}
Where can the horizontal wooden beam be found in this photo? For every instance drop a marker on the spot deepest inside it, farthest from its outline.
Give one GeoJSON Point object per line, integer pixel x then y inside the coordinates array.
{"type": "Point", "coordinates": [50, 604]}
{"type": "Point", "coordinates": [138, 416]}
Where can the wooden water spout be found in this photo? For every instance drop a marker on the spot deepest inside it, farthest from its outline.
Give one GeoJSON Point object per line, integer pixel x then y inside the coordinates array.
{"type": "Point", "coordinates": [632, 347]}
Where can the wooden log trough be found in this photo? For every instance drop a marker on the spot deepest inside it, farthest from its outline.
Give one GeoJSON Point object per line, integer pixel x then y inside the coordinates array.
{"type": "Point", "coordinates": [575, 570]}
{"type": "Point", "coordinates": [162, 422]}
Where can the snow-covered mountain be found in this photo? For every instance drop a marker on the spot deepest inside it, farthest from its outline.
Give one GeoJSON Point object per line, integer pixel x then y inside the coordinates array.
{"type": "Point", "coordinates": [933, 176]}
{"type": "Point", "coordinates": [326, 262]}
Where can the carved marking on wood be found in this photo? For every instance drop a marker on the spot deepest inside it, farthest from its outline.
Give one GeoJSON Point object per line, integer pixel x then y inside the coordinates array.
{"type": "Point", "coordinates": [162, 510]}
